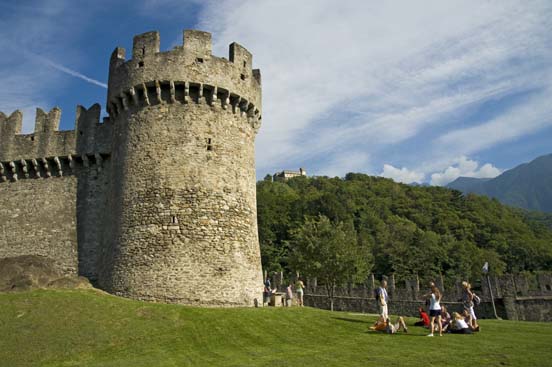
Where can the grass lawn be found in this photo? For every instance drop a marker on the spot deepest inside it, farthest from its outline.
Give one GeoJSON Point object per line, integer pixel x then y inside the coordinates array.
{"type": "Point", "coordinates": [88, 328]}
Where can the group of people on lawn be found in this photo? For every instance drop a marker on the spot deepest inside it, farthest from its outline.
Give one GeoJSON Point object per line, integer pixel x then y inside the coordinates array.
{"type": "Point", "coordinates": [288, 297]}
{"type": "Point", "coordinates": [439, 320]}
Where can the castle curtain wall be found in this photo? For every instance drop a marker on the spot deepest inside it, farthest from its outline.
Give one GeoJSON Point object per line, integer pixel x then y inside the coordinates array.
{"type": "Point", "coordinates": [52, 188]}
{"type": "Point", "coordinates": [38, 217]}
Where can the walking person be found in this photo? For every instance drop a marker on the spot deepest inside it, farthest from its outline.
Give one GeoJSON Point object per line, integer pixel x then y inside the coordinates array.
{"type": "Point", "coordinates": [434, 309]}
{"type": "Point", "coordinates": [468, 304]}
{"type": "Point", "coordinates": [382, 299]}
{"type": "Point", "coordinates": [299, 289]}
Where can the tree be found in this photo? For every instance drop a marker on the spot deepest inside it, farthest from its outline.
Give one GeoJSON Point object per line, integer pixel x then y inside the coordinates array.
{"type": "Point", "coordinates": [409, 230]}
{"type": "Point", "coordinates": [330, 252]}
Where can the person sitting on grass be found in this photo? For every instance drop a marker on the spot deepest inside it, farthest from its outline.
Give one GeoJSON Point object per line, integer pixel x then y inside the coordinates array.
{"type": "Point", "coordinates": [459, 325]}
{"type": "Point", "coordinates": [470, 321]}
{"type": "Point", "coordinates": [385, 325]}
{"type": "Point", "coordinates": [445, 318]}
{"type": "Point", "coordinates": [424, 318]}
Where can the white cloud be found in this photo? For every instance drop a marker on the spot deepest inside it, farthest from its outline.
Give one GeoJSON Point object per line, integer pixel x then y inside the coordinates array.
{"type": "Point", "coordinates": [338, 76]}
{"type": "Point", "coordinates": [403, 175]}
{"type": "Point", "coordinates": [464, 167]}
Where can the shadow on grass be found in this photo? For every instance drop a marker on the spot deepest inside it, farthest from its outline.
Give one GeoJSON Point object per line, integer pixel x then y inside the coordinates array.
{"type": "Point", "coordinates": [353, 320]}
{"type": "Point", "coordinates": [400, 333]}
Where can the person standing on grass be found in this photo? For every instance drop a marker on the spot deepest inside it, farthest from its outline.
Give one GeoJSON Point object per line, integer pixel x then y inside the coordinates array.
{"type": "Point", "coordinates": [267, 291]}
{"type": "Point", "coordinates": [467, 303]}
{"type": "Point", "coordinates": [382, 299]}
{"type": "Point", "coordinates": [299, 289]}
{"type": "Point", "coordinates": [434, 309]}
{"type": "Point", "coordinates": [289, 295]}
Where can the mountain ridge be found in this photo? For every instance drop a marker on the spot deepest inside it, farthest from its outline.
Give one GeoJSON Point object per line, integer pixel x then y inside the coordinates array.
{"type": "Point", "coordinates": [527, 186]}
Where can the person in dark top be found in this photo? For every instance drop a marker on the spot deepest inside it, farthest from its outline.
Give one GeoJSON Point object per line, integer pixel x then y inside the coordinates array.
{"type": "Point", "coordinates": [445, 318]}
{"type": "Point", "coordinates": [267, 291]}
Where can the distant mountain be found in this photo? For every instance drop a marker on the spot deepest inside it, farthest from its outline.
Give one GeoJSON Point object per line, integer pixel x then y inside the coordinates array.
{"type": "Point", "coordinates": [527, 186]}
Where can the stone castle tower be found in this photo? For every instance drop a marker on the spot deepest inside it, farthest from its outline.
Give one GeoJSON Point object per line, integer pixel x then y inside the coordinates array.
{"type": "Point", "coordinates": [164, 203]}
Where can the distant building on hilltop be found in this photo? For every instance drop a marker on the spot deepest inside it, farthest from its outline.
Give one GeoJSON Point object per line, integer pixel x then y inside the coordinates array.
{"type": "Point", "coordinates": [286, 175]}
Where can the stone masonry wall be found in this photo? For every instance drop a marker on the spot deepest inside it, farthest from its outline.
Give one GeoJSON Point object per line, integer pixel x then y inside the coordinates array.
{"type": "Point", "coordinates": [38, 217]}
{"type": "Point", "coordinates": [184, 234]}
{"type": "Point", "coordinates": [92, 208]}
{"type": "Point", "coordinates": [52, 188]}
{"type": "Point", "coordinates": [525, 297]}
{"type": "Point", "coordinates": [182, 196]}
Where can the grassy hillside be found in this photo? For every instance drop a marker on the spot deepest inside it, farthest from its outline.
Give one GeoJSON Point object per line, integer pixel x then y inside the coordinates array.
{"type": "Point", "coordinates": [87, 328]}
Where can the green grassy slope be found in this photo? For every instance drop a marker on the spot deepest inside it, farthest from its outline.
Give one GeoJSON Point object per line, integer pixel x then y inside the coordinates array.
{"type": "Point", "coordinates": [86, 328]}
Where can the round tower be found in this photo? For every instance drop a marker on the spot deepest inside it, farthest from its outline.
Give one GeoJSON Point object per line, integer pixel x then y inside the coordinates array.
{"type": "Point", "coordinates": [183, 203]}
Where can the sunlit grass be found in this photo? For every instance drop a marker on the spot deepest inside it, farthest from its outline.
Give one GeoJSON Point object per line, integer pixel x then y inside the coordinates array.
{"type": "Point", "coordinates": [88, 328]}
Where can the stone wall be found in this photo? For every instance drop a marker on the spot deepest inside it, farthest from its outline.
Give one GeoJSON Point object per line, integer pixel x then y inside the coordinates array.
{"type": "Point", "coordinates": [183, 194]}
{"type": "Point", "coordinates": [52, 188]}
{"type": "Point", "coordinates": [517, 297]}
{"type": "Point", "coordinates": [38, 217]}
{"type": "Point", "coordinates": [405, 307]}
{"type": "Point", "coordinates": [92, 215]}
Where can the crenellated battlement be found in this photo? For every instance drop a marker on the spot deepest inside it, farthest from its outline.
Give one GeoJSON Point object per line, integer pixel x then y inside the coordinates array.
{"type": "Point", "coordinates": [89, 136]}
{"type": "Point", "coordinates": [47, 167]}
{"type": "Point", "coordinates": [192, 62]}
{"type": "Point", "coordinates": [158, 92]}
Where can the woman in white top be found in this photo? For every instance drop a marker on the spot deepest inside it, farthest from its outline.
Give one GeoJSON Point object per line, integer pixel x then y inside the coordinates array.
{"type": "Point", "coordinates": [459, 325]}
{"type": "Point", "coordinates": [434, 309]}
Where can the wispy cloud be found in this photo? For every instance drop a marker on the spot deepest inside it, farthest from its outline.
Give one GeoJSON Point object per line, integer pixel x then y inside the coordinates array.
{"type": "Point", "coordinates": [526, 118]}
{"type": "Point", "coordinates": [341, 76]}
{"type": "Point", "coordinates": [72, 72]}
{"type": "Point", "coordinates": [46, 29]}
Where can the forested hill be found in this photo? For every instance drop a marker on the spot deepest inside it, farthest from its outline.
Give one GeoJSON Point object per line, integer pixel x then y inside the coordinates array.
{"type": "Point", "coordinates": [410, 230]}
{"type": "Point", "coordinates": [527, 186]}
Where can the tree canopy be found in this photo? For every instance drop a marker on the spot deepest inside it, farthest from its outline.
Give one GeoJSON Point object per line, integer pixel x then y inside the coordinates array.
{"type": "Point", "coordinates": [330, 252]}
{"type": "Point", "coordinates": [408, 230]}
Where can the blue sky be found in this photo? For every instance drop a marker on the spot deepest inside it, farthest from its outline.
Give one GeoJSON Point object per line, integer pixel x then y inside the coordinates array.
{"type": "Point", "coordinates": [415, 91]}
